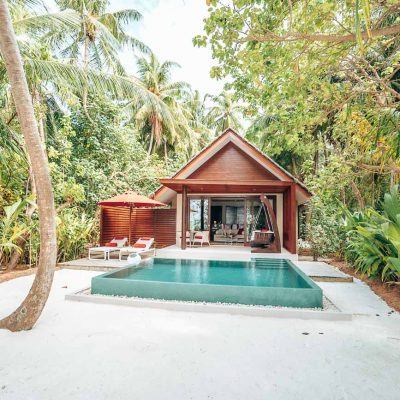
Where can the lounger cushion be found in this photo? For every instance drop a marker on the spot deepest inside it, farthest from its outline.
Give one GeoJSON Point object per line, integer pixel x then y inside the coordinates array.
{"type": "Point", "coordinates": [139, 245]}
{"type": "Point", "coordinates": [145, 238]}
{"type": "Point", "coordinates": [111, 244]}
{"type": "Point", "coordinates": [119, 242]}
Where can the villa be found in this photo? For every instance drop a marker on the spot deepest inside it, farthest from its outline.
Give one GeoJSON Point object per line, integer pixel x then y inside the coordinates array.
{"type": "Point", "coordinates": [220, 196]}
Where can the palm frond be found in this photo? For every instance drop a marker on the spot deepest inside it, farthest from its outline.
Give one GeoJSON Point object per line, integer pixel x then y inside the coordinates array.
{"type": "Point", "coordinates": [60, 21]}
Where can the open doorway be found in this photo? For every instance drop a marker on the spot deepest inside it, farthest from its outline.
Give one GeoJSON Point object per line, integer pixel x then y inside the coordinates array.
{"type": "Point", "coordinates": [228, 220]}
{"type": "Point", "coordinates": [227, 217]}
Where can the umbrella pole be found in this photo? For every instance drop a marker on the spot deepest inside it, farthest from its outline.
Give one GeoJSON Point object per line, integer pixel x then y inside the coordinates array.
{"type": "Point", "coordinates": [130, 214]}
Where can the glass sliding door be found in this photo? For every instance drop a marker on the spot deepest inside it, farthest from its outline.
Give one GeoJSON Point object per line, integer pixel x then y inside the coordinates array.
{"type": "Point", "coordinates": [199, 215]}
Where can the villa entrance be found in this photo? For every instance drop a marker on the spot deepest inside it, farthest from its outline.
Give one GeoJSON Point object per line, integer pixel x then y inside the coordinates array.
{"type": "Point", "coordinates": [229, 220]}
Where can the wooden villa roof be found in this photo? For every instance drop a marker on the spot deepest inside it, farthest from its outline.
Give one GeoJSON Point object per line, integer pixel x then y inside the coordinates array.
{"type": "Point", "coordinates": [265, 173]}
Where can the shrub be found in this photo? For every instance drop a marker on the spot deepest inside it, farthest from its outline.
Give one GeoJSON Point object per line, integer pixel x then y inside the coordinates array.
{"type": "Point", "coordinates": [373, 239]}
{"type": "Point", "coordinates": [74, 231]}
{"type": "Point", "coordinates": [323, 232]}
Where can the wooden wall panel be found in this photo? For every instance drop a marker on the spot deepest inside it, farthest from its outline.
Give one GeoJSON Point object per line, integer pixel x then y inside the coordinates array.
{"type": "Point", "coordinates": [232, 163]}
{"type": "Point", "coordinates": [157, 223]}
{"type": "Point", "coordinates": [114, 223]}
{"type": "Point", "coordinates": [165, 227]}
{"type": "Point", "coordinates": [289, 219]}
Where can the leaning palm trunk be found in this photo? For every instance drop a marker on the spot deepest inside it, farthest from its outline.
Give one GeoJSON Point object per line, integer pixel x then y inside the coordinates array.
{"type": "Point", "coordinates": [25, 316]}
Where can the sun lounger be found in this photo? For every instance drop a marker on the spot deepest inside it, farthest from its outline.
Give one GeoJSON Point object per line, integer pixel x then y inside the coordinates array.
{"type": "Point", "coordinates": [106, 250]}
{"type": "Point", "coordinates": [143, 245]}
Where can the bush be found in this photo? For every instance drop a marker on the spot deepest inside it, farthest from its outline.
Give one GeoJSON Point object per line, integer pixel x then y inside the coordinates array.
{"type": "Point", "coordinates": [323, 229]}
{"type": "Point", "coordinates": [74, 231]}
{"type": "Point", "coordinates": [373, 239]}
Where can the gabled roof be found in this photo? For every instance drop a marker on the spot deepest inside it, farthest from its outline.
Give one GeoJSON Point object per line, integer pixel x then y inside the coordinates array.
{"type": "Point", "coordinates": [230, 136]}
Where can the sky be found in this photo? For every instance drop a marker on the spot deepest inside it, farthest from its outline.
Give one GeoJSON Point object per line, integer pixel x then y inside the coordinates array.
{"type": "Point", "coordinates": [168, 27]}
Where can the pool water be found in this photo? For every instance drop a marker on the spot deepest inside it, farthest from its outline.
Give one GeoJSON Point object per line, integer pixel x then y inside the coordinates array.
{"type": "Point", "coordinates": [276, 273]}
{"type": "Point", "coordinates": [265, 281]}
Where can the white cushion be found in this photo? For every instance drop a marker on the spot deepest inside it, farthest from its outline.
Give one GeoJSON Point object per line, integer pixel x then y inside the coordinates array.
{"type": "Point", "coordinates": [120, 242]}
{"type": "Point", "coordinates": [148, 243]}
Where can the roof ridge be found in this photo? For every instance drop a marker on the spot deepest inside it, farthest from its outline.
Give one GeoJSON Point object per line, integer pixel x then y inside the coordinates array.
{"type": "Point", "coordinates": [232, 131]}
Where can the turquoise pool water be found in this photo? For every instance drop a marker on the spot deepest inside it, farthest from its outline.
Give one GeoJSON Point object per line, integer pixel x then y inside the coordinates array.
{"type": "Point", "coordinates": [263, 281]}
{"type": "Point", "coordinates": [276, 273]}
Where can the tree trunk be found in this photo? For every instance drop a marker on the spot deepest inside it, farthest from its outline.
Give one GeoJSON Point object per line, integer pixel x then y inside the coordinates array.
{"type": "Point", "coordinates": [151, 143]}
{"type": "Point", "coordinates": [392, 179]}
{"type": "Point", "coordinates": [165, 153]}
{"type": "Point", "coordinates": [85, 66]}
{"type": "Point", "coordinates": [358, 195]}
{"type": "Point", "coordinates": [294, 168]}
{"type": "Point", "coordinates": [326, 156]}
{"type": "Point", "coordinates": [26, 315]}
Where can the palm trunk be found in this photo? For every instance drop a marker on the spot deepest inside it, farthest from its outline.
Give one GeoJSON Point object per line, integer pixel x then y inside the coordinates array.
{"type": "Point", "coordinates": [316, 161]}
{"type": "Point", "coordinates": [26, 315]}
{"type": "Point", "coordinates": [85, 65]}
{"type": "Point", "coordinates": [151, 143]}
{"type": "Point", "coordinates": [165, 153]}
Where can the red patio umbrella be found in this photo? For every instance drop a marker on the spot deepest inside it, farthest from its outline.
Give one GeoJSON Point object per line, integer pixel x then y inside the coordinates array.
{"type": "Point", "coordinates": [132, 200]}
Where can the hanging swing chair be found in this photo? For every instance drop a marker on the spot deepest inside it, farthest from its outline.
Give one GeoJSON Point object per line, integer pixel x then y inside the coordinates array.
{"type": "Point", "coordinates": [266, 238]}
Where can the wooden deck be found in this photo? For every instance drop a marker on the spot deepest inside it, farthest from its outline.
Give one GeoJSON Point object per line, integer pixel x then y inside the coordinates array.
{"type": "Point", "coordinates": [318, 271]}
{"type": "Point", "coordinates": [94, 264]}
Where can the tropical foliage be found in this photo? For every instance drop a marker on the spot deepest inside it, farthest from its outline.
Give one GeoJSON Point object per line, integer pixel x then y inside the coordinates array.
{"type": "Point", "coordinates": [322, 226]}
{"type": "Point", "coordinates": [374, 239]}
{"type": "Point", "coordinates": [315, 82]}
{"type": "Point", "coordinates": [12, 227]}
{"type": "Point", "coordinates": [105, 129]}
{"type": "Point", "coordinates": [320, 82]}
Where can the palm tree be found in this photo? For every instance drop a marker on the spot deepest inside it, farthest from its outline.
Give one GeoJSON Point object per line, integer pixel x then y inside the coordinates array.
{"type": "Point", "coordinates": [196, 113]}
{"type": "Point", "coordinates": [164, 121]}
{"type": "Point", "coordinates": [52, 79]}
{"type": "Point", "coordinates": [225, 113]}
{"type": "Point", "coordinates": [26, 315]}
{"type": "Point", "coordinates": [100, 36]}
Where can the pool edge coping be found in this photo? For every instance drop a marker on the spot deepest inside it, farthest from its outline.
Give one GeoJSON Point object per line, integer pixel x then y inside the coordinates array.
{"type": "Point", "coordinates": [231, 309]}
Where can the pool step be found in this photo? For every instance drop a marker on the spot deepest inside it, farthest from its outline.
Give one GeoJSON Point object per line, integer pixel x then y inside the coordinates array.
{"type": "Point", "coordinates": [270, 263]}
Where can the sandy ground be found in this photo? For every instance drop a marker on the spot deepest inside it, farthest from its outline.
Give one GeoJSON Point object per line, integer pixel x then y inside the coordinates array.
{"type": "Point", "coordinates": [93, 351]}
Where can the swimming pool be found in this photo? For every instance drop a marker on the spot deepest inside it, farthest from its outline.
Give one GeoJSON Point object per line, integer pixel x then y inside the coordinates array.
{"type": "Point", "coordinates": [266, 281]}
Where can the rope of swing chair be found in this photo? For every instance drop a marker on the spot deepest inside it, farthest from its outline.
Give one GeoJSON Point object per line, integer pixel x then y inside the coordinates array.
{"type": "Point", "coordinates": [268, 220]}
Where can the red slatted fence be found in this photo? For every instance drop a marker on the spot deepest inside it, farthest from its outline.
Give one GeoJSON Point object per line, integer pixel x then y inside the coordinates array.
{"type": "Point", "coordinates": [157, 223]}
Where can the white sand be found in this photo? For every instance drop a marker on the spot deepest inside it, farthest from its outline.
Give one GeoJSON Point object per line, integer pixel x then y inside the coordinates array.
{"type": "Point", "coordinates": [93, 351]}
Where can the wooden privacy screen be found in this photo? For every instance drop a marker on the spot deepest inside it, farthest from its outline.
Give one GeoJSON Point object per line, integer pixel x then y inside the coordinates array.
{"type": "Point", "coordinates": [289, 219]}
{"type": "Point", "coordinates": [157, 223]}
